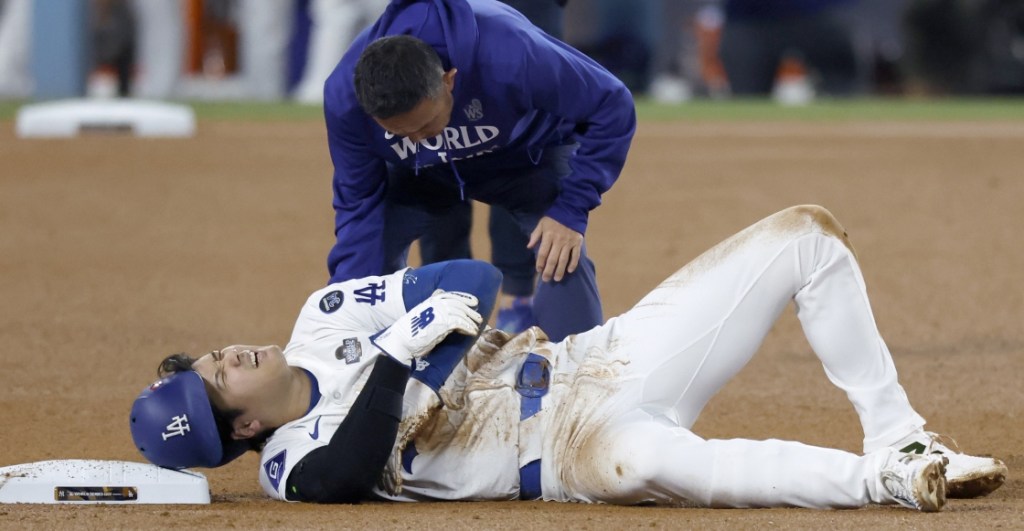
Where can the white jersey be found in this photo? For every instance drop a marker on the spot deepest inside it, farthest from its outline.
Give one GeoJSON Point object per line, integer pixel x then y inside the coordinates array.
{"type": "Point", "coordinates": [331, 341]}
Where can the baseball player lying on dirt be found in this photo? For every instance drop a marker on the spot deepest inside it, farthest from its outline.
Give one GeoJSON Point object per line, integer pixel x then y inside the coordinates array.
{"type": "Point", "coordinates": [385, 391]}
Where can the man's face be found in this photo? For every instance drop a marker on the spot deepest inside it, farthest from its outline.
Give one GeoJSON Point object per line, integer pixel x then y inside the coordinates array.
{"type": "Point", "coordinates": [244, 377]}
{"type": "Point", "coordinates": [428, 118]}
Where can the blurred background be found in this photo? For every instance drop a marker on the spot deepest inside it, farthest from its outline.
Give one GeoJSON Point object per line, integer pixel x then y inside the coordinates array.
{"type": "Point", "coordinates": [670, 51]}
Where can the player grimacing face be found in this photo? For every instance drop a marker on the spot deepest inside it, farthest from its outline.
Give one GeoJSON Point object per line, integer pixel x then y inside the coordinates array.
{"type": "Point", "coordinates": [244, 378]}
{"type": "Point", "coordinates": [428, 118]}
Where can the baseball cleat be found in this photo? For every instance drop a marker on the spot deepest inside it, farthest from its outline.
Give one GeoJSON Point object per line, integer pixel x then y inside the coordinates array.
{"type": "Point", "coordinates": [916, 481]}
{"type": "Point", "coordinates": [967, 476]}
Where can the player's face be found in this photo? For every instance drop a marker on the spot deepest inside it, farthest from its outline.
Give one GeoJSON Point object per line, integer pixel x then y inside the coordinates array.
{"type": "Point", "coordinates": [244, 377]}
{"type": "Point", "coordinates": [428, 119]}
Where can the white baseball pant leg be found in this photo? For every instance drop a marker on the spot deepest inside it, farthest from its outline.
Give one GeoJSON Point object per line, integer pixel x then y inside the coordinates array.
{"type": "Point", "coordinates": [266, 27]}
{"type": "Point", "coordinates": [15, 48]}
{"type": "Point", "coordinates": [695, 331]}
{"type": "Point", "coordinates": [335, 24]}
{"type": "Point", "coordinates": [639, 458]}
{"type": "Point", "coordinates": [160, 40]}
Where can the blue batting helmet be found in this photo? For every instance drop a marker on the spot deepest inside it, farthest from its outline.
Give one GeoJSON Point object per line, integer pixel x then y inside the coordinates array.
{"type": "Point", "coordinates": [174, 425]}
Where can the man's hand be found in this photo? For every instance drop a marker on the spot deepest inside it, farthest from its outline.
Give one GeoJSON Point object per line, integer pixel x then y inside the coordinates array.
{"type": "Point", "coordinates": [417, 332]}
{"type": "Point", "coordinates": [558, 251]}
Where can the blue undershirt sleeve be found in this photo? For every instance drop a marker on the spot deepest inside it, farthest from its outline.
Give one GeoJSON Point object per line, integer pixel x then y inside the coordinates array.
{"type": "Point", "coordinates": [347, 468]}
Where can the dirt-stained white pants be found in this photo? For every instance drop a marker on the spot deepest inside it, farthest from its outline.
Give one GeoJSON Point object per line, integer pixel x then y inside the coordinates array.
{"type": "Point", "coordinates": [692, 334]}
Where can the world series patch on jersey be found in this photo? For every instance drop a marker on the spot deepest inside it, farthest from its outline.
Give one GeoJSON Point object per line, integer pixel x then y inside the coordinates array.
{"type": "Point", "coordinates": [351, 350]}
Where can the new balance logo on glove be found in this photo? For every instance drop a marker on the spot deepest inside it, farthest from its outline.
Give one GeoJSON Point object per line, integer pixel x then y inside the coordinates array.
{"type": "Point", "coordinates": [422, 320]}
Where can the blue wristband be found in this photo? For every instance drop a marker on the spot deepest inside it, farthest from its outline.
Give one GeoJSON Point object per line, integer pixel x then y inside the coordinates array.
{"type": "Point", "coordinates": [435, 368]}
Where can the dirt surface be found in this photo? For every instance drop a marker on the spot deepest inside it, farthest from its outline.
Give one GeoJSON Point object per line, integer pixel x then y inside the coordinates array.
{"type": "Point", "coordinates": [115, 251]}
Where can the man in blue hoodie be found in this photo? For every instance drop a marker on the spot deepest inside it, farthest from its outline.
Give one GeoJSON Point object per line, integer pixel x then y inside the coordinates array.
{"type": "Point", "coordinates": [442, 101]}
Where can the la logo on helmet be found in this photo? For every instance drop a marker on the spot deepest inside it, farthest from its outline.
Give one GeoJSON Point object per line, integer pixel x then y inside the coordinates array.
{"type": "Point", "coordinates": [178, 426]}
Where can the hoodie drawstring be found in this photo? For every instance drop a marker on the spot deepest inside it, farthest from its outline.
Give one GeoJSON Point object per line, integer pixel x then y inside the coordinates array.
{"type": "Point", "coordinates": [455, 171]}
{"type": "Point", "coordinates": [416, 159]}
{"type": "Point", "coordinates": [451, 163]}
{"type": "Point", "coordinates": [458, 179]}
{"type": "Point", "coordinates": [540, 154]}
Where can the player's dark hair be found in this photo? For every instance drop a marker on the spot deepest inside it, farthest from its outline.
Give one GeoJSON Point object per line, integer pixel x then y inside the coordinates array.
{"type": "Point", "coordinates": [394, 74]}
{"type": "Point", "coordinates": [182, 362]}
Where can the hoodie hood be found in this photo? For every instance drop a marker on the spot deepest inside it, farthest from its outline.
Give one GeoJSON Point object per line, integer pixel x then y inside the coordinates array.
{"type": "Point", "coordinates": [433, 21]}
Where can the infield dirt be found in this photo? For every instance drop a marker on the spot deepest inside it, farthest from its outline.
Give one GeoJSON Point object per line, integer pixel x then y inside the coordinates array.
{"type": "Point", "coordinates": [116, 251]}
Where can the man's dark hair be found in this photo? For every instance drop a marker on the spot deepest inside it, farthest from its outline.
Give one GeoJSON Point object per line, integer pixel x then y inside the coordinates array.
{"type": "Point", "coordinates": [394, 74]}
{"type": "Point", "coordinates": [182, 362]}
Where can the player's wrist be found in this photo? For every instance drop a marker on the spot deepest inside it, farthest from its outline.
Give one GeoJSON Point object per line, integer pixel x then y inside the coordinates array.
{"type": "Point", "coordinates": [431, 375]}
{"type": "Point", "coordinates": [386, 342]}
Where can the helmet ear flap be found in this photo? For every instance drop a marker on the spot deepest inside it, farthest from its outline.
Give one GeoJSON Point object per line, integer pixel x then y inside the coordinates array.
{"type": "Point", "coordinates": [174, 426]}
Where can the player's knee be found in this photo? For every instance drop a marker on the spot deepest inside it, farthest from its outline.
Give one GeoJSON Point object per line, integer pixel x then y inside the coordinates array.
{"type": "Point", "coordinates": [820, 220]}
{"type": "Point", "coordinates": [807, 216]}
{"type": "Point", "coordinates": [812, 218]}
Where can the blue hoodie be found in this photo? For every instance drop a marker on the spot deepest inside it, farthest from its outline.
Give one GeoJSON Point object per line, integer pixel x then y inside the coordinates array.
{"type": "Point", "coordinates": [516, 92]}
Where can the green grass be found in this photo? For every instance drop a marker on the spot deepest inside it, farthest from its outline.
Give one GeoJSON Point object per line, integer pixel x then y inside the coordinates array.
{"type": "Point", "coordinates": [861, 109]}
{"type": "Point", "coordinates": [8, 109]}
{"type": "Point", "coordinates": [866, 109]}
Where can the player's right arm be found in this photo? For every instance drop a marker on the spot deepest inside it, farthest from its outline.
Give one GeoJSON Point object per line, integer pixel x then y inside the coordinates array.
{"type": "Point", "coordinates": [347, 468]}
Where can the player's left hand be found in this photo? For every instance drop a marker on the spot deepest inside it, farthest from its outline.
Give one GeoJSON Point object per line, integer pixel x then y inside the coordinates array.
{"type": "Point", "coordinates": [558, 249]}
{"type": "Point", "coordinates": [417, 332]}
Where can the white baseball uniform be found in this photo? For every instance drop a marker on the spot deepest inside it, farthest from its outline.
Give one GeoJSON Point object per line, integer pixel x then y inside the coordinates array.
{"type": "Point", "coordinates": [615, 423]}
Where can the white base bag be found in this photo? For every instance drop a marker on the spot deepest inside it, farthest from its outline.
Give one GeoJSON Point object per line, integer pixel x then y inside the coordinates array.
{"type": "Point", "coordinates": [82, 481]}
